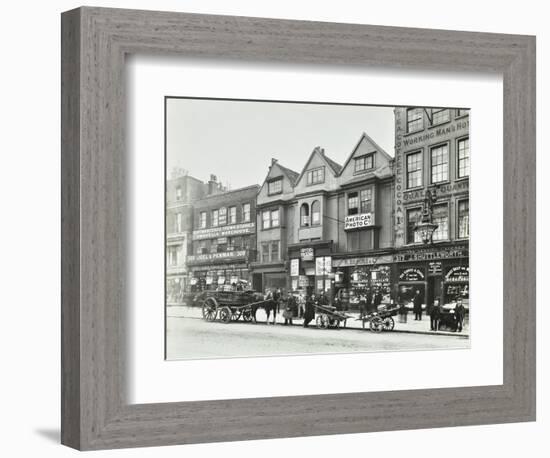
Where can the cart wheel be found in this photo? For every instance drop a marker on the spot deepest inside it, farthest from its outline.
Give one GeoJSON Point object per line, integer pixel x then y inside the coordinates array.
{"type": "Point", "coordinates": [209, 309]}
{"type": "Point", "coordinates": [225, 314]}
{"type": "Point", "coordinates": [376, 324]}
{"type": "Point", "coordinates": [247, 315]}
{"type": "Point", "coordinates": [388, 323]}
{"type": "Point", "coordinates": [335, 323]}
{"type": "Point", "coordinates": [235, 315]}
{"type": "Point", "coordinates": [322, 322]}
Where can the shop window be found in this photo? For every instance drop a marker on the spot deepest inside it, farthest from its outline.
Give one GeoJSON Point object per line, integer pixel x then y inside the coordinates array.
{"type": "Point", "coordinates": [316, 176]}
{"type": "Point", "coordinates": [304, 215]}
{"type": "Point", "coordinates": [463, 147]}
{"type": "Point", "coordinates": [246, 212]}
{"type": "Point", "coordinates": [315, 213]}
{"type": "Point", "coordinates": [440, 163]}
{"type": "Point", "coordinates": [215, 218]}
{"type": "Point", "coordinates": [414, 170]}
{"type": "Point", "coordinates": [365, 162]}
{"type": "Point", "coordinates": [441, 218]}
{"type": "Point", "coordinates": [463, 219]}
{"type": "Point", "coordinates": [275, 186]}
{"type": "Point", "coordinates": [223, 216]}
{"type": "Point", "coordinates": [440, 115]}
{"type": "Point", "coordinates": [202, 220]}
{"type": "Point", "coordinates": [415, 119]}
{"type": "Point", "coordinates": [353, 203]}
{"type": "Point", "coordinates": [413, 217]}
{"type": "Point", "coordinates": [366, 200]}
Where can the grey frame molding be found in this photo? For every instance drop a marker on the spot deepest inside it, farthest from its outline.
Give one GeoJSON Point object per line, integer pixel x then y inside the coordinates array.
{"type": "Point", "coordinates": [95, 413]}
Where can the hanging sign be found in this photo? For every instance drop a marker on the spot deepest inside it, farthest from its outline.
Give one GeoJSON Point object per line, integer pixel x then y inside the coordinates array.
{"type": "Point", "coordinates": [306, 254]}
{"type": "Point", "coordinates": [358, 221]}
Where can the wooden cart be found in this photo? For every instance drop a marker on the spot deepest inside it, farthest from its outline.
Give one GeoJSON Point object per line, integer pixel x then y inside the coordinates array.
{"type": "Point", "coordinates": [381, 320]}
{"type": "Point", "coordinates": [329, 317]}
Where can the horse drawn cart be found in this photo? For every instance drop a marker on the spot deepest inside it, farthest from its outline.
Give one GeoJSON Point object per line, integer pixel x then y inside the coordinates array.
{"type": "Point", "coordinates": [381, 320]}
{"type": "Point", "coordinates": [228, 306]}
{"type": "Point", "coordinates": [329, 317]}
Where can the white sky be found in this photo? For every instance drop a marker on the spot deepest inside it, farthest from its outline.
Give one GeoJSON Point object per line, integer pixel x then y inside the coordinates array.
{"type": "Point", "coordinates": [235, 140]}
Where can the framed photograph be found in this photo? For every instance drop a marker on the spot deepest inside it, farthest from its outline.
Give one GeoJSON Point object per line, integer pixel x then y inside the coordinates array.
{"type": "Point", "coordinates": [277, 228]}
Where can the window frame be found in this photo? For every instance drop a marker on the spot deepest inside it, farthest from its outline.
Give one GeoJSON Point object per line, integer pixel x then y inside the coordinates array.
{"type": "Point", "coordinates": [434, 111]}
{"type": "Point", "coordinates": [348, 198]}
{"type": "Point", "coordinates": [458, 202]}
{"type": "Point", "coordinates": [203, 223]}
{"type": "Point", "coordinates": [309, 176]}
{"type": "Point", "coordinates": [232, 210]}
{"type": "Point", "coordinates": [275, 210]}
{"type": "Point", "coordinates": [409, 122]}
{"type": "Point", "coordinates": [246, 218]}
{"type": "Point", "coordinates": [407, 232]}
{"type": "Point", "coordinates": [363, 158]}
{"type": "Point", "coordinates": [458, 141]}
{"type": "Point", "coordinates": [271, 182]}
{"type": "Point", "coordinates": [420, 152]}
{"type": "Point", "coordinates": [312, 222]}
{"type": "Point", "coordinates": [308, 215]}
{"type": "Point", "coordinates": [370, 190]}
{"type": "Point", "coordinates": [215, 221]}
{"type": "Point", "coordinates": [431, 149]}
{"type": "Point", "coordinates": [442, 204]}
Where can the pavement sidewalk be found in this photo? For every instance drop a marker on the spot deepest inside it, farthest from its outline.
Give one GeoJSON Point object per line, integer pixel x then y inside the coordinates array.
{"type": "Point", "coordinates": [410, 326]}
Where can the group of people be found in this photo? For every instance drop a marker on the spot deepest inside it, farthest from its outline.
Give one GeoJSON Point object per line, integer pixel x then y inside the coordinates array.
{"type": "Point", "coordinates": [301, 306]}
{"type": "Point", "coordinates": [434, 311]}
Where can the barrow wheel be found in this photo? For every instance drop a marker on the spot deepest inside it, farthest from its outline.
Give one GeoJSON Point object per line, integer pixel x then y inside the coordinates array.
{"type": "Point", "coordinates": [209, 309]}
{"type": "Point", "coordinates": [335, 323]}
{"type": "Point", "coordinates": [322, 321]}
{"type": "Point", "coordinates": [235, 315]}
{"type": "Point", "coordinates": [247, 315]}
{"type": "Point", "coordinates": [225, 314]}
{"type": "Point", "coordinates": [376, 324]}
{"type": "Point", "coordinates": [388, 323]}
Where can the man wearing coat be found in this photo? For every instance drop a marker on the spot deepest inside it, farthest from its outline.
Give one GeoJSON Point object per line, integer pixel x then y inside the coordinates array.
{"type": "Point", "coordinates": [417, 306]}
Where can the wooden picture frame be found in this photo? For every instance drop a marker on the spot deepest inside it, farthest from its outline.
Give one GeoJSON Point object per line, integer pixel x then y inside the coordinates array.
{"type": "Point", "coordinates": [95, 413]}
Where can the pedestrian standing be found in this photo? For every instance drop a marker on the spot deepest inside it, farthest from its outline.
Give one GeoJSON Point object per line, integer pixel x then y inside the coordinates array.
{"type": "Point", "coordinates": [417, 306]}
{"type": "Point", "coordinates": [435, 315]}
{"type": "Point", "coordinates": [460, 311]}
{"type": "Point", "coordinates": [309, 313]}
{"type": "Point", "coordinates": [377, 299]}
{"type": "Point", "coordinates": [362, 305]}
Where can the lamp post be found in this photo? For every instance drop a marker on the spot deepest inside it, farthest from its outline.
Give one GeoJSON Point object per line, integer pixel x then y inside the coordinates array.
{"type": "Point", "coordinates": [427, 227]}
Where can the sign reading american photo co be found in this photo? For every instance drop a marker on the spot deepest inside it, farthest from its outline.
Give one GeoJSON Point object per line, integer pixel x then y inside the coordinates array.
{"type": "Point", "coordinates": [358, 221]}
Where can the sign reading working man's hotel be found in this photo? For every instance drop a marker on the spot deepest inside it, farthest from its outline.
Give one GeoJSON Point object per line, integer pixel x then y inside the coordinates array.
{"type": "Point", "coordinates": [358, 221]}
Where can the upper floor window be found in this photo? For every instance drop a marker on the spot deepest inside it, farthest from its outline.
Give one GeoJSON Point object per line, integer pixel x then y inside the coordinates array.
{"type": "Point", "coordinates": [414, 170]}
{"type": "Point", "coordinates": [315, 176]}
{"type": "Point", "coordinates": [304, 215]}
{"type": "Point", "coordinates": [202, 220]}
{"type": "Point", "coordinates": [441, 218]}
{"type": "Point", "coordinates": [415, 119]}
{"type": "Point", "coordinates": [440, 163]}
{"type": "Point", "coordinates": [178, 223]}
{"type": "Point", "coordinates": [353, 203]}
{"type": "Point", "coordinates": [246, 212]}
{"type": "Point", "coordinates": [201, 247]}
{"type": "Point", "coordinates": [270, 218]}
{"type": "Point", "coordinates": [366, 200]}
{"type": "Point", "coordinates": [364, 162]}
{"type": "Point", "coordinates": [439, 115]}
{"type": "Point", "coordinates": [275, 186]}
{"type": "Point", "coordinates": [463, 148]}
{"type": "Point", "coordinates": [215, 218]}
{"type": "Point", "coordinates": [232, 215]}
{"type": "Point", "coordinates": [462, 112]}
{"type": "Point", "coordinates": [173, 255]}
{"type": "Point", "coordinates": [463, 219]}
{"type": "Point", "coordinates": [315, 213]}
{"type": "Point", "coordinates": [413, 218]}
{"type": "Point", "coordinates": [270, 251]}
{"type": "Point", "coordinates": [179, 193]}
{"type": "Point", "coordinates": [222, 216]}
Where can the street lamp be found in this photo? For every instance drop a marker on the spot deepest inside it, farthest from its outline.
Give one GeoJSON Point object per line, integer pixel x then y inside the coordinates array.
{"type": "Point", "coordinates": [427, 227]}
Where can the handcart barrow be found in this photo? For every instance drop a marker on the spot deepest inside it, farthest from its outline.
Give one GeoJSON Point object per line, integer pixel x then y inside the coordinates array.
{"type": "Point", "coordinates": [381, 320]}
{"type": "Point", "coordinates": [329, 317]}
{"type": "Point", "coordinates": [230, 306]}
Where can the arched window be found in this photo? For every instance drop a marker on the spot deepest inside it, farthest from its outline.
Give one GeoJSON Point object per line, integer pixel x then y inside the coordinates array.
{"type": "Point", "coordinates": [315, 213]}
{"type": "Point", "coordinates": [304, 215]}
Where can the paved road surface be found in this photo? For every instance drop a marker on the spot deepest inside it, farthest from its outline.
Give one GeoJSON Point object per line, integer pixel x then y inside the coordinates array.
{"type": "Point", "coordinates": [195, 338]}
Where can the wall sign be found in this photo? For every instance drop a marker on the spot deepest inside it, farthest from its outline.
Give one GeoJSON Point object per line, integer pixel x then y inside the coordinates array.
{"type": "Point", "coordinates": [226, 231]}
{"type": "Point", "coordinates": [200, 258]}
{"type": "Point", "coordinates": [434, 268]}
{"type": "Point", "coordinates": [411, 274]}
{"type": "Point", "coordinates": [294, 267]}
{"type": "Point", "coordinates": [323, 265]}
{"type": "Point", "coordinates": [307, 254]}
{"type": "Point", "coordinates": [458, 273]}
{"type": "Point", "coordinates": [358, 221]}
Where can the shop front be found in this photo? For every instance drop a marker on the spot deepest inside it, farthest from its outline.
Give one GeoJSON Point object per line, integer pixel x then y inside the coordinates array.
{"type": "Point", "coordinates": [359, 276]}
{"type": "Point", "coordinates": [210, 271]}
{"type": "Point", "coordinates": [439, 273]}
{"type": "Point", "coordinates": [311, 268]}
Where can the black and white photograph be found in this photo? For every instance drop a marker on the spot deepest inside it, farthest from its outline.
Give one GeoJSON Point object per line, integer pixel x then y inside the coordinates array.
{"type": "Point", "coordinates": [311, 228]}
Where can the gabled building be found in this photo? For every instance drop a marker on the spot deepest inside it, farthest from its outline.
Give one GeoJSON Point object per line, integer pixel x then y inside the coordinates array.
{"type": "Point", "coordinates": [275, 227]}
